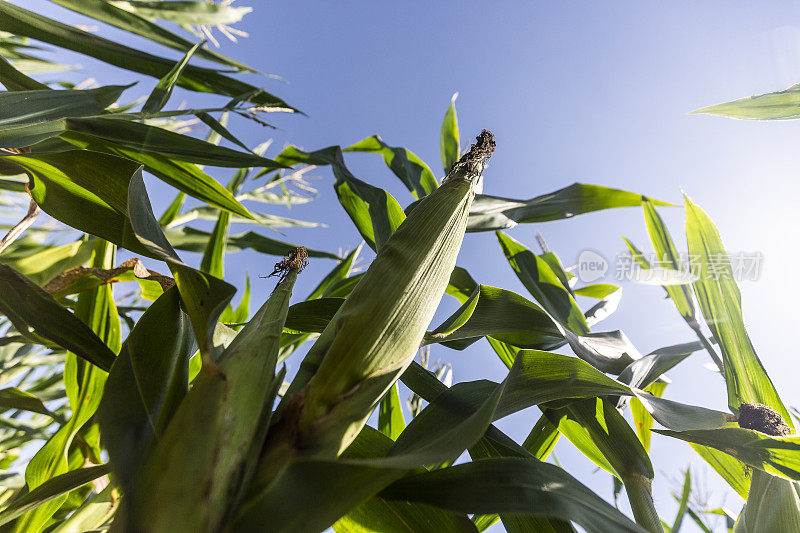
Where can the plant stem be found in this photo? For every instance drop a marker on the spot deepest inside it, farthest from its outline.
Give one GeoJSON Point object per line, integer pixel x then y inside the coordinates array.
{"type": "Point", "coordinates": [710, 349]}
{"type": "Point", "coordinates": [641, 500]}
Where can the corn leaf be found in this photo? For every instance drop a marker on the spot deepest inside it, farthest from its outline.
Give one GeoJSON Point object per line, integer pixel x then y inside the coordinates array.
{"type": "Point", "coordinates": [720, 302]}
{"type": "Point", "coordinates": [133, 23]}
{"type": "Point", "coordinates": [36, 314]}
{"type": "Point", "coordinates": [126, 135]}
{"type": "Point", "coordinates": [204, 296]}
{"type": "Point", "coordinates": [51, 489]}
{"type": "Point", "coordinates": [14, 80]}
{"type": "Point", "coordinates": [29, 107]}
{"type": "Point", "coordinates": [163, 89]}
{"type": "Point", "coordinates": [779, 105]}
{"type": "Point", "coordinates": [513, 486]}
{"type": "Point", "coordinates": [490, 213]}
{"type": "Point", "coordinates": [406, 165]}
{"type": "Point", "coordinates": [390, 414]}
{"type": "Point", "coordinates": [185, 11]}
{"type": "Point", "coordinates": [339, 273]}
{"type": "Point", "coordinates": [449, 143]}
{"type": "Point", "coordinates": [195, 240]}
{"type": "Point", "coordinates": [145, 385]}
{"type": "Point", "coordinates": [733, 471]}
{"type": "Point", "coordinates": [538, 277]}
{"type": "Point", "coordinates": [378, 514]}
{"type": "Point", "coordinates": [778, 456]}
{"type": "Point", "coordinates": [504, 315]}
{"type": "Point", "coordinates": [683, 504]}
{"type": "Point", "coordinates": [375, 213]}
{"type": "Point", "coordinates": [14, 398]}
{"type": "Point", "coordinates": [67, 185]}
{"type": "Point", "coordinates": [642, 420]}
{"type": "Point", "coordinates": [45, 264]}
{"type": "Point", "coordinates": [668, 258]}
{"type": "Point", "coordinates": [84, 384]}
{"type": "Point", "coordinates": [19, 21]}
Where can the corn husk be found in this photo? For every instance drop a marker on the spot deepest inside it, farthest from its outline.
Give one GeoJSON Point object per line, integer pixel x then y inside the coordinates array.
{"type": "Point", "coordinates": [202, 465]}
{"type": "Point", "coordinates": [375, 334]}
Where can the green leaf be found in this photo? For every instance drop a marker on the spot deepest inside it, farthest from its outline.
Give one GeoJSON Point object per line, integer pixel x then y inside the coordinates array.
{"type": "Point", "coordinates": [778, 456]}
{"type": "Point", "coordinates": [339, 486]}
{"type": "Point", "coordinates": [647, 369]}
{"type": "Point", "coordinates": [390, 414]}
{"type": "Point", "coordinates": [538, 377]}
{"type": "Point", "coordinates": [668, 258]}
{"type": "Point", "coordinates": [184, 176]}
{"type": "Point", "coordinates": [173, 209]}
{"type": "Point", "coordinates": [22, 22]}
{"type": "Point", "coordinates": [195, 240]}
{"type": "Point", "coordinates": [485, 448]}
{"type": "Point", "coordinates": [513, 486]}
{"type": "Point", "coordinates": [375, 213]}
{"type": "Point", "coordinates": [684, 502]}
{"type": "Point", "coordinates": [212, 213]}
{"type": "Point", "coordinates": [145, 385]}
{"type": "Point", "coordinates": [84, 386]}
{"type": "Point", "coordinates": [204, 297]}
{"type": "Point", "coordinates": [133, 23]}
{"type": "Point", "coordinates": [720, 302]}
{"type": "Point", "coordinates": [47, 262]}
{"type": "Point", "coordinates": [337, 274]}
{"type": "Point", "coordinates": [92, 514]}
{"type": "Point", "coordinates": [30, 107]}
{"type": "Point", "coordinates": [733, 471]}
{"type": "Point", "coordinates": [504, 315]}
{"type": "Point", "coordinates": [70, 184]}
{"type": "Point", "coordinates": [242, 311]}
{"type": "Point", "coordinates": [545, 286]}
{"type": "Point", "coordinates": [312, 316]}
{"type": "Point", "coordinates": [185, 12]}
{"type": "Point", "coordinates": [163, 89]}
{"type": "Point", "coordinates": [126, 135]}
{"type": "Point", "coordinates": [213, 260]}
{"type": "Point", "coordinates": [14, 80]}
{"type": "Point", "coordinates": [406, 165]}
{"type": "Point", "coordinates": [449, 144]}
{"type": "Point", "coordinates": [378, 514]}
{"type": "Point", "coordinates": [604, 308]}
{"type": "Point", "coordinates": [642, 420]}
{"type": "Point", "coordinates": [36, 314]}
{"type": "Point", "coordinates": [779, 105]}
{"type": "Point", "coordinates": [51, 489]}
{"type": "Point", "coordinates": [491, 213]}
{"type": "Point", "coordinates": [610, 433]}
{"type": "Point", "coordinates": [542, 438]}
{"type": "Point", "coordinates": [14, 398]}
{"type": "Point", "coordinates": [598, 290]}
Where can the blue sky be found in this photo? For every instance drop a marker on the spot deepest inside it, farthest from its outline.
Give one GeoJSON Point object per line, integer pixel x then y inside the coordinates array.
{"type": "Point", "coordinates": [574, 91]}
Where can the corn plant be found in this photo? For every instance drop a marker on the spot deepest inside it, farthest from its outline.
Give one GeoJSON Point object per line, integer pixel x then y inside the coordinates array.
{"type": "Point", "coordinates": [175, 411]}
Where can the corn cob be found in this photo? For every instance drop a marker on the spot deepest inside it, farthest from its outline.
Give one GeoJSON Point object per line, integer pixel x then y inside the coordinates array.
{"type": "Point", "coordinates": [375, 334]}
{"type": "Point", "coordinates": [202, 464]}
